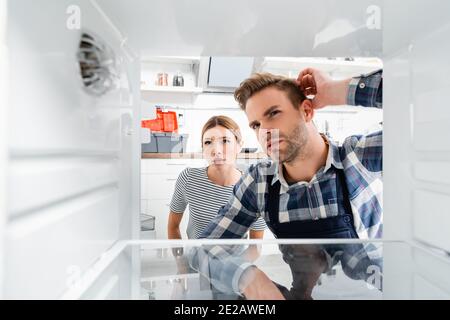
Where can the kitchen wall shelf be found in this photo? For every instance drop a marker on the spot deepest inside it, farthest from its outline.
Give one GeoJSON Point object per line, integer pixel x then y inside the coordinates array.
{"type": "Point", "coordinates": [171, 59]}
{"type": "Point", "coordinates": [193, 90]}
{"type": "Point", "coordinates": [339, 66]}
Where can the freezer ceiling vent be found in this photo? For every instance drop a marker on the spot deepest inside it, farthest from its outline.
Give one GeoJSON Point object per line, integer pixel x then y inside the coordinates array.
{"type": "Point", "coordinates": [97, 65]}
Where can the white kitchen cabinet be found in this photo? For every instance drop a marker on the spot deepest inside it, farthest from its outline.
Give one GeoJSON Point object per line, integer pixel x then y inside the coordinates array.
{"type": "Point", "coordinates": [158, 186]}
{"type": "Point", "coordinates": [160, 210]}
{"type": "Point", "coordinates": [169, 166]}
{"type": "Point", "coordinates": [158, 181]}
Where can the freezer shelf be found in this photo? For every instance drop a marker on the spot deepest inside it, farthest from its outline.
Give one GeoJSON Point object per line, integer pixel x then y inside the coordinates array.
{"type": "Point", "coordinates": [346, 269]}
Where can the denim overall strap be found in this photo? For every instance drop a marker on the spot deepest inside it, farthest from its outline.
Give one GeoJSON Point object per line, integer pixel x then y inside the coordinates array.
{"type": "Point", "coordinates": [340, 226]}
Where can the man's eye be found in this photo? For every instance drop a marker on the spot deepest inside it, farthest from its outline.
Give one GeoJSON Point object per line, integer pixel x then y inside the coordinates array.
{"type": "Point", "coordinates": [273, 113]}
{"type": "Point", "coordinates": [255, 126]}
{"type": "Point", "coordinates": [226, 141]}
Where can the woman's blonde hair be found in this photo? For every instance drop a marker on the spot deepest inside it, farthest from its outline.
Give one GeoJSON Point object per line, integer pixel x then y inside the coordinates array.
{"type": "Point", "coordinates": [225, 122]}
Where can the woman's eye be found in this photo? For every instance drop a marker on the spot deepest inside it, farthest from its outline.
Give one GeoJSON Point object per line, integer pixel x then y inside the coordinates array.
{"type": "Point", "coordinates": [226, 141]}
{"type": "Point", "coordinates": [207, 143]}
{"type": "Point", "coordinates": [255, 126]}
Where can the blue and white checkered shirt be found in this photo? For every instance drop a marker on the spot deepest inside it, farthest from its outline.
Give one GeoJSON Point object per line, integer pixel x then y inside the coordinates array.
{"type": "Point", "coordinates": [360, 157]}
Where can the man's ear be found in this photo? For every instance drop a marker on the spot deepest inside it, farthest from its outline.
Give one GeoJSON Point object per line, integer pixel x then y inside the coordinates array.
{"type": "Point", "coordinates": [307, 110]}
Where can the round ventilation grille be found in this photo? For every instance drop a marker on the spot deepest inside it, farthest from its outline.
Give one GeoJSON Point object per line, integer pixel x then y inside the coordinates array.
{"type": "Point", "coordinates": [97, 65]}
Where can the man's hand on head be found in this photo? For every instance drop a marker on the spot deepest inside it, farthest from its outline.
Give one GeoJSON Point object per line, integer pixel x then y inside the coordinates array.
{"type": "Point", "coordinates": [325, 90]}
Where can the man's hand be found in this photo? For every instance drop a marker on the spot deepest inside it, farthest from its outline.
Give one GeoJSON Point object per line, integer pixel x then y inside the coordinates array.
{"type": "Point", "coordinates": [252, 252]}
{"type": "Point", "coordinates": [256, 285]}
{"type": "Point", "coordinates": [326, 91]}
{"type": "Point", "coordinates": [182, 265]}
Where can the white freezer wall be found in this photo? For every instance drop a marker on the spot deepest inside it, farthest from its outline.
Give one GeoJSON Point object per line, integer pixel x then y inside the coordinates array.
{"type": "Point", "coordinates": [417, 118]}
{"type": "Point", "coordinates": [416, 45]}
{"type": "Point", "coordinates": [72, 157]}
{"type": "Point", "coordinates": [3, 141]}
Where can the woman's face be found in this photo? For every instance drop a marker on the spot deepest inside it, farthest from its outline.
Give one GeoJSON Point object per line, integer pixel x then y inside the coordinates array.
{"type": "Point", "coordinates": [220, 146]}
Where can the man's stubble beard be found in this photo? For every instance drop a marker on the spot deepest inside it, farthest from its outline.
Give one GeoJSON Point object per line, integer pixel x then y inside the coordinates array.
{"type": "Point", "coordinates": [295, 145]}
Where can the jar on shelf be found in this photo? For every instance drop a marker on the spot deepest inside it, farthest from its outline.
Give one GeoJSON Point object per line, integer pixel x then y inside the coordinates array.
{"type": "Point", "coordinates": [162, 79]}
{"type": "Point", "coordinates": [178, 80]}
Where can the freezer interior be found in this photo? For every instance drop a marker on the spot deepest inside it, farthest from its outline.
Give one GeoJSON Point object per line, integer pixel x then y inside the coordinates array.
{"type": "Point", "coordinates": [70, 142]}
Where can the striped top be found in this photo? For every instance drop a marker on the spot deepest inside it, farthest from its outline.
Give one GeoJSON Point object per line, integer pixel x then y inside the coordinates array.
{"type": "Point", "coordinates": [204, 198]}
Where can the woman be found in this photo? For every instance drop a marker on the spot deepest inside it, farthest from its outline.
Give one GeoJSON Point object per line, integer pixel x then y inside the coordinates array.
{"type": "Point", "coordinates": [207, 189]}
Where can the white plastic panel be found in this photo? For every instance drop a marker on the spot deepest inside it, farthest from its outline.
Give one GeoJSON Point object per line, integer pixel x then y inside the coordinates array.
{"type": "Point", "coordinates": [114, 275]}
{"type": "Point", "coordinates": [433, 268]}
{"type": "Point", "coordinates": [432, 171]}
{"type": "Point", "coordinates": [71, 182]}
{"type": "Point", "coordinates": [249, 27]}
{"type": "Point", "coordinates": [431, 221]}
{"type": "Point", "coordinates": [404, 25]}
{"type": "Point", "coordinates": [416, 147]}
{"type": "Point", "coordinates": [51, 110]}
{"type": "Point", "coordinates": [414, 272]}
{"type": "Point", "coordinates": [430, 88]}
{"type": "Point", "coordinates": [4, 92]}
{"type": "Point", "coordinates": [42, 247]}
{"type": "Point", "coordinates": [39, 182]}
{"type": "Point", "coordinates": [115, 282]}
{"type": "Point", "coordinates": [397, 180]}
{"type": "Point", "coordinates": [424, 289]}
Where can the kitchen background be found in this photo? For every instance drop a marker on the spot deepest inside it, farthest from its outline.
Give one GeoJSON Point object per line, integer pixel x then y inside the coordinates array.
{"type": "Point", "coordinates": [196, 88]}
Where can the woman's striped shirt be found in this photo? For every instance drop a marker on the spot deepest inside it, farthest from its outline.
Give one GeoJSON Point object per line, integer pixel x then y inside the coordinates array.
{"type": "Point", "coordinates": [204, 198]}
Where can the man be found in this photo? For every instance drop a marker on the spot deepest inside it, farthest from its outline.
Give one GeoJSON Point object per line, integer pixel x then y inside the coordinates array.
{"type": "Point", "coordinates": [312, 188]}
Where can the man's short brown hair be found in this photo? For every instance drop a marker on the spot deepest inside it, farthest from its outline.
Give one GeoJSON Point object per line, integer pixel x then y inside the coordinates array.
{"type": "Point", "coordinates": [260, 81]}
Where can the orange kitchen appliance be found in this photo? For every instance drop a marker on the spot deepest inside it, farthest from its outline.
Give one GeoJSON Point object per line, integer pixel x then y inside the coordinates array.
{"type": "Point", "coordinates": [164, 122]}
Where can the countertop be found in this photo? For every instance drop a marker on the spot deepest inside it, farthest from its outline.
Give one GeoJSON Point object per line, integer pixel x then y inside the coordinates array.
{"type": "Point", "coordinates": [196, 155]}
